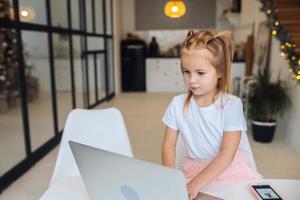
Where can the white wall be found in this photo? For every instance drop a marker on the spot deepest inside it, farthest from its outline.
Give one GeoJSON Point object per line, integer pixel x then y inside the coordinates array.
{"type": "Point", "coordinates": [250, 13]}
{"type": "Point", "coordinates": [288, 124]}
{"type": "Point", "coordinates": [118, 29]}
{"type": "Point", "coordinates": [128, 16]}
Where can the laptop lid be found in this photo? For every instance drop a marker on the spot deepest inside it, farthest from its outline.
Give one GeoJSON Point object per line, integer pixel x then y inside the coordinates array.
{"type": "Point", "coordinates": [111, 176]}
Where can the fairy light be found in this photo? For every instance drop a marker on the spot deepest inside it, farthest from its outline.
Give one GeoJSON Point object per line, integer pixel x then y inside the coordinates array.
{"type": "Point", "coordinates": [286, 47]}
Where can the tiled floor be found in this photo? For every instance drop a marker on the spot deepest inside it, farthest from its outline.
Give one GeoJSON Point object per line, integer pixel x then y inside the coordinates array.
{"type": "Point", "coordinates": [142, 113]}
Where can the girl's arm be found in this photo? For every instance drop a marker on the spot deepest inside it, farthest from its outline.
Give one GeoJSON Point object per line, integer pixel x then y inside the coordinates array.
{"type": "Point", "coordinates": [169, 147]}
{"type": "Point", "coordinates": [230, 144]}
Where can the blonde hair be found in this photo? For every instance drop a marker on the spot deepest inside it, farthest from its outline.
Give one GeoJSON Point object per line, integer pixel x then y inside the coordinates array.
{"type": "Point", "coordinates": [221, 47]}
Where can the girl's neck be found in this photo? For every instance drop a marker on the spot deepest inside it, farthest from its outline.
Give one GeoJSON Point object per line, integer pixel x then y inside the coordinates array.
{"type": "Point", "coordinates": [206, 99]}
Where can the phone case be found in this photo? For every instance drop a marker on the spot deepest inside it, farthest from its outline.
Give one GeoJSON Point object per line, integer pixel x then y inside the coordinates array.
{"type": "Point", "coordinates": [256, 195]}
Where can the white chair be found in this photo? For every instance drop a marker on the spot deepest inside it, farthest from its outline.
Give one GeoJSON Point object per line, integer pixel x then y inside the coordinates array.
{"type": "Point", "coordinates": [103, 129]}
{"type": "Point", "coordinates": [244, 144]}
{"type": "Point", "coordinates": [181, 152]}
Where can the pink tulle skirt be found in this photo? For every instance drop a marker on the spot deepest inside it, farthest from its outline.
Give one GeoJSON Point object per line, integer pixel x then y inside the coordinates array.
{"type": "Point", "coordinates": [239, 169]}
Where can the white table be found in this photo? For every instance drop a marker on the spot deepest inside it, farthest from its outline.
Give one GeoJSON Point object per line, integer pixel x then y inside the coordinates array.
{"type": "Point", "coordinates": [72, 188]}
{"type": "Point", "coordinates": [288, 189]}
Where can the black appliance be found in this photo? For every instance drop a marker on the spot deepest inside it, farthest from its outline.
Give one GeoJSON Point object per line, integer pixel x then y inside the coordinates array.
{"type": "Point", "coordinates": [133, 58]}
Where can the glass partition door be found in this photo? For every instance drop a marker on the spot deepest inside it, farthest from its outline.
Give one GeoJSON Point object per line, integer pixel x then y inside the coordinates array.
{"type": "Point", "coordinates": [55, 55]}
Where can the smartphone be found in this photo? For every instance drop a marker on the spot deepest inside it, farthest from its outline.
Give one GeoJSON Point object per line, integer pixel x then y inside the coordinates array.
{"type": "Point", "coordinates": [264, 192]}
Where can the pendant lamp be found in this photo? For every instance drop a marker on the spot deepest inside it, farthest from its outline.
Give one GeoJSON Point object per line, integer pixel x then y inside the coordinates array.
{"type": "Point", "coordinates": [175, 9]}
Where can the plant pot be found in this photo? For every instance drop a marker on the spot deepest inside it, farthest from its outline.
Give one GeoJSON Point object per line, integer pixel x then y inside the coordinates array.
{"type": "Point", "coordinates": [263, 131]}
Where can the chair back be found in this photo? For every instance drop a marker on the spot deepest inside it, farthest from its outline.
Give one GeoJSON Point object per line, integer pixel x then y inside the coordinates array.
{"type": "Point", "coordinates": [103, 128]}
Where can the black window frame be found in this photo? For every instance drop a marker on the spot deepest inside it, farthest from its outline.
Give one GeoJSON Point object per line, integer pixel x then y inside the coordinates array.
{"type": "Point", "coordinates": [33, 157]}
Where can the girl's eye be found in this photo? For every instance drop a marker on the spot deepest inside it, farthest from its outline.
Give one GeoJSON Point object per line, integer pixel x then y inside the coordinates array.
{"type": "Point", "coordinates": [186, 72]}
{"type": "Point", "coordinates": [200, 73]}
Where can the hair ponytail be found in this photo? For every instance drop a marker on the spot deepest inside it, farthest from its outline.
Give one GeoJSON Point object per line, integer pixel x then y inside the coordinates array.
{"type": "Point", "coordinates": [228, 49]}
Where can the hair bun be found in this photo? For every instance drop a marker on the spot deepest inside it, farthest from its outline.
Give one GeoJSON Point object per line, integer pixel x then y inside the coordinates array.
{"type": "Point", "coordinates": [190, 33]}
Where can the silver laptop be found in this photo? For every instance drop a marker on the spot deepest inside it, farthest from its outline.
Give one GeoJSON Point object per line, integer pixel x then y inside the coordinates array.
{"type": "Point", "coordinates": [111, 176]}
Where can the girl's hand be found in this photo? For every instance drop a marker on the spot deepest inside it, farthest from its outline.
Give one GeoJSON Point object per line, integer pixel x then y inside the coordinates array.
{"type": "Point", "coordinates": [192, 190]}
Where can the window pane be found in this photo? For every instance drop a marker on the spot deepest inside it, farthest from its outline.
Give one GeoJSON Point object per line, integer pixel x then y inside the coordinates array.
{"type": "Point", "coordinates": [95, 43]}
{"type": "Point", "coordinates": [78, 72]}
{"type": "Point", "coordinates": [33, 11]}
{"type": "Point", "coordinates": [99, 16]}
{"type": "Point", "coordinates": [101, 76]}
{"type": "Point", "coordinates": [59, 13]}
{"type": "Point", "coordinates": [91, 73]}
{"type": "Point", "coordinates": [89, 18]}
{"type": "Point", "coordinates": [62, 77]}
{"type": "Point", "coordinates": [39, 87]}
{"type": "Point", "coordinates": [108, 16]}
{"type": "Point", "coordinates": [110, 66]}
{"type": "Point", "coordinates": [11, 124]}
{"type": "Point", "coordinates": [75, 14]}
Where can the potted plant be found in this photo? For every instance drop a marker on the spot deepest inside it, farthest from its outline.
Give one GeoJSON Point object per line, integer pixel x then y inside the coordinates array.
{"type": "Point", "coordinates": [267, 101]}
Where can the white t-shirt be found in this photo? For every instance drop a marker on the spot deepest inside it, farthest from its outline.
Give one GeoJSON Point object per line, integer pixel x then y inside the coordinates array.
{"type": "Point", "coordinates": [202, 128]}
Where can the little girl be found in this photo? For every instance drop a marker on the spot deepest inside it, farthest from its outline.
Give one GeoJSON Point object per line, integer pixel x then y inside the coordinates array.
{"type": "Point", "coordinates": [209, 119]}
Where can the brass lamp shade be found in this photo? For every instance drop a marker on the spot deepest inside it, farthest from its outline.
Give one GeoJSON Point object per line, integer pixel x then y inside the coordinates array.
{"type": "Point", "coordinates": [174, 9]}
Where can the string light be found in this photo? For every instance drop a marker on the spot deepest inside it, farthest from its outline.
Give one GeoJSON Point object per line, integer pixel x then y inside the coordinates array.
{"type": "Point", "coordinates": [287, 47]}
